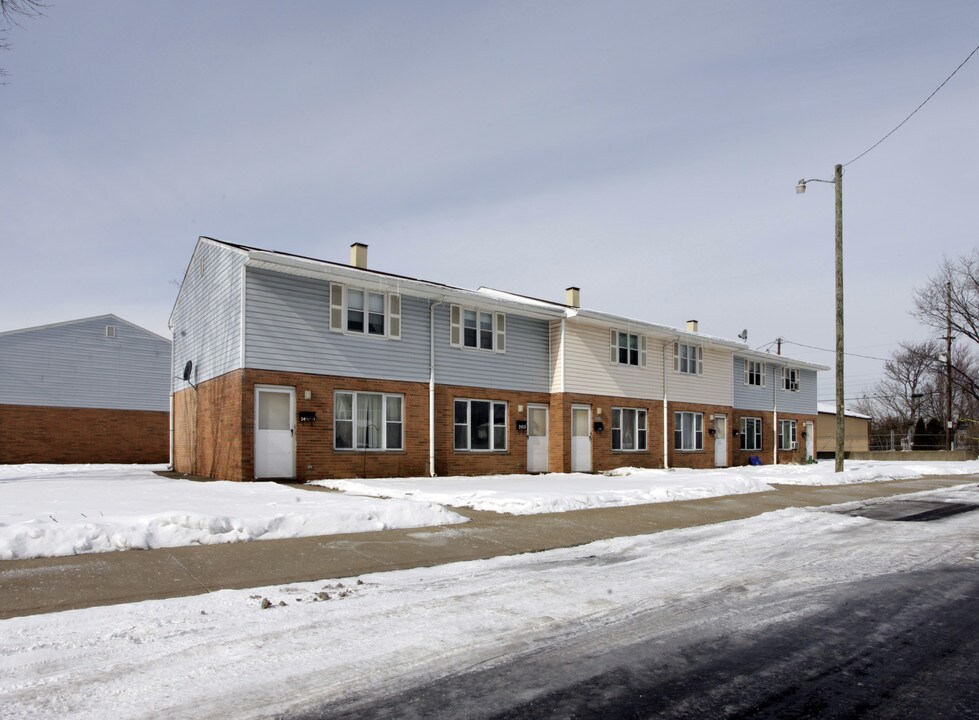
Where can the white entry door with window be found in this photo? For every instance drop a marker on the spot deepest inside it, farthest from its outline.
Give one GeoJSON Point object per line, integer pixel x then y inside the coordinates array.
{"type": "Point", "coordinates": [720, 441]}
{"type": "Point", "coordinates": [537, 438]}
{"type": "Point", "coordinates": [810, 442]}
{"type": "Point", "coordinates": [275, 429]}
{"type": "Point", "coordinates": [580, 438]}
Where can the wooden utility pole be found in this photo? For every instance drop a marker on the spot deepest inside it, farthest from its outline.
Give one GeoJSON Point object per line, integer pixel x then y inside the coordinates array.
{"type": "Point", "coordinates": [948, 366]}
{"type": "Point", "coordinates": [840, 410]}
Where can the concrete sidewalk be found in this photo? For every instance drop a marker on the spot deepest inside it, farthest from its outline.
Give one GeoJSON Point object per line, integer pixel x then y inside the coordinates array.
{"type": "Point", "coordinates": [42, 585]}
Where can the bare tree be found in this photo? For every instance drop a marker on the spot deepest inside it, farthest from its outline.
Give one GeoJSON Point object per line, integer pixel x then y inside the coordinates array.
{"type": "Point", "coordinates": [10, 12]}
{"type": "Point", "coordinates": [905, 389]}
{"type": "Point", "coordinates": [961, 277]}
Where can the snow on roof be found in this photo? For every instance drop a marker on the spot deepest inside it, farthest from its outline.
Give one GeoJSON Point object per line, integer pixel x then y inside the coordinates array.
{"type": "Point", "coordinates": [830, 409]}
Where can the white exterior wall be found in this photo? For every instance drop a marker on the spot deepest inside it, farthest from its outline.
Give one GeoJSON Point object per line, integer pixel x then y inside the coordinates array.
{"type": "Point", "coordinates": [589, 369]}
{"type": "Point", "coordinates": [713, 387]}
{"type": "Point", "coordinates": [556, 356]}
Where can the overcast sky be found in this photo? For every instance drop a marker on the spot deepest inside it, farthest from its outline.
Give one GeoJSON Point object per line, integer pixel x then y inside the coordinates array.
{"type": "Point", "coordinates": [645, 151]}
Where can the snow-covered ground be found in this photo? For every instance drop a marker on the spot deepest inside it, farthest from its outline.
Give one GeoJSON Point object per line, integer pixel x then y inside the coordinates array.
{"type": "Point", "coordinates": [559, 492]}
{"type": "Point", "coordinates": [223, 656]}
{"type": "Point", "coordinates": [53, 510]}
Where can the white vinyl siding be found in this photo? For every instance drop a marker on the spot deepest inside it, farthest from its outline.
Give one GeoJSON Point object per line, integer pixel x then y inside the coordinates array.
{"type": "Point", "coordinates": [586, 369]}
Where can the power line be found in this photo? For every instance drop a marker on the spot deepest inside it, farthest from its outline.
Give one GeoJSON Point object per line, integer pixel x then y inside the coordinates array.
{"type": "Point", "coordinates": [812, 347]}
{"type": "Point", "coordinates": [915, 110]}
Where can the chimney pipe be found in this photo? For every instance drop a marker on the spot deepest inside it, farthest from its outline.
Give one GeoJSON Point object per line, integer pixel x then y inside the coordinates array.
{"type": "Point", "coordinates": [358, 255]}
{"type": "Point", "coordinates": [572, 297]}
{"type": "Point", "coordinates": [692, 326]}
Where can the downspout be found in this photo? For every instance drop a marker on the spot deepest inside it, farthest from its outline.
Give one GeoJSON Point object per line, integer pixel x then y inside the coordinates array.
{"type": "Point", "coordinates": [666, 416]}
{"type": "Point", "coordinates": [431, 388]}
{"type": "Point", "coordinates": [173, 377]}
{"type": "Point", "coordinates": [774, 416]}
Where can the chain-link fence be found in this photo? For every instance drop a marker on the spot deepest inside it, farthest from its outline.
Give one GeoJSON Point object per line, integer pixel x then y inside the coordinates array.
{"type": "Point", "coordinates": [922, 441]}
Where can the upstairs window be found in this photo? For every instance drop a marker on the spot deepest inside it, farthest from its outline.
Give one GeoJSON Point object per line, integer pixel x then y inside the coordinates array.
{"type": "Point", "coordinates": [688, 359]}
{"type": "Point", "coordinates": [357, 311]}
{"type": "Point", "coordinates": [790, 379]}
{"type": "Point", "coordinates": [627, 348]}
{"type": "Point", "coordinates": [478, 329]}
{"type": "Point", "coordinates": [754, 373]}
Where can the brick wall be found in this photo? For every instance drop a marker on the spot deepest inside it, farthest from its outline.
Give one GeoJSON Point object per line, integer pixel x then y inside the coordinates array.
{"type": "Point", "coordinates": [36, 434]}
{"type": "Point", "coordinates": [701, 459]}
{"type": "Point", "coordinates": [208, 432]}
{"type": "Point", "coordinates": [766, 454]}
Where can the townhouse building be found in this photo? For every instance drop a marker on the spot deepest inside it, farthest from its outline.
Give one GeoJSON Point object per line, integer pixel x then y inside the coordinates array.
{"type": "Point", "coordinates": [292, 367]}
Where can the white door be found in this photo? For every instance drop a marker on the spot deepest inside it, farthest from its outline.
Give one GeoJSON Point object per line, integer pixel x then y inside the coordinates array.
{"type": "Point", "coordinates": [537, 438]}
{"type": "Point", "coordinates": [810, 442]}
{"type": "Point", "coordinates": [720, 441]}
{"type": "Point", "coordinates": [275, 455]}
{"type": "Point", "coordinates": [580, 438]}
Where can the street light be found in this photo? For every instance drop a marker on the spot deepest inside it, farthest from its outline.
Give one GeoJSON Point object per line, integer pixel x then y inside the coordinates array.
{"type": "Point", "coordinates": [840, 411]}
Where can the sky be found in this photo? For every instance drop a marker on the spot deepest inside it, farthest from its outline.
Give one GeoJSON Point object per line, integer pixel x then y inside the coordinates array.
{"type": "Point", "coordinates": [645, 152]}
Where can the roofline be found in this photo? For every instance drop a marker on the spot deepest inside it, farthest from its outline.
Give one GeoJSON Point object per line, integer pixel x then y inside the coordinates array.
{"type": "Point", "coordinates": [108, 316]}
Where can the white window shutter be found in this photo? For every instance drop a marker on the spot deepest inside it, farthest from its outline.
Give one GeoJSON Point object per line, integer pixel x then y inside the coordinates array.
{"type": "Point", "coordinates": [764, 374]}
{"type": "Point", "coordinates": [700, 360]}
{"type": "Point", "coordinates": [336, 307]}
{"type": "Point", "coordinates": [747, 364]}
{"type": "Point", "coordinates": [500, 322]}
{"type": "Point", "coordinates": [676, 356]}
{"type": "Point", "coordinates": [613, 346]}
{"type": "Point", "coordinates": [642, 351]}
{"type": "Point", "coordinates": [455, 326]}
{"type": "Point", "coordinates": [394, 316]}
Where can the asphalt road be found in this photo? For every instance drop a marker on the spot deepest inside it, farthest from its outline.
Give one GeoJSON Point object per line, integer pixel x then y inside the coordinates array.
{"type": "Point", "coordinates": [896, 646]}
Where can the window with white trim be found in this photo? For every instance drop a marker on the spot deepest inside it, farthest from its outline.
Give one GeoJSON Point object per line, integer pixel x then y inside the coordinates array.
{"type": "Point", "coordinates": [688, 431]}
{"type": "Point", "coordinates": [368, 421]}
{"type": "Point", "coordinates": [479, 425]}
{"type": "Point", "coordinates": [754, 373]}
{"type": "Point", "coordinates": [751, 433]}
{"type": "Point", "coordinates": [627, 348]}
{"type": "Point", "coordinates": [628, 429]}
{"type": "Point", "coordinates": [473, 328]}
{"type": "Point", "coordinates": [688, 359]}
{"type": "Point", "coordinates": [790, 379]}
{"type": "Point", "coordinates": [357, 311]}
{"type": "Point", "coordinates": [786, 435]}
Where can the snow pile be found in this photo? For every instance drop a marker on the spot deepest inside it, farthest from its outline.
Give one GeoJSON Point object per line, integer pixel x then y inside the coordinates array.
{"type": "Point", "coordinates": [52, 510]}
{"type": "Point", "coordinates": [859, 471]}
{"type": "Point", "coordinates": [558, 492]}
{"type": "Point", "coordinates": [282, 650]}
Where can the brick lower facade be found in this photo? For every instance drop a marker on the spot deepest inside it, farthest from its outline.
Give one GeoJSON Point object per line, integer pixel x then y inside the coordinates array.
{"type": "Point", "coordinates": [215, 430]}
{"type": "Point", "coordinates": [39, 434]}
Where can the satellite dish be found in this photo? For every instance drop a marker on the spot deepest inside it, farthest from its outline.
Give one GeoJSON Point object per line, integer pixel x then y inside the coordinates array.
{"type": "Point", "coordinates": [188, 369]}
{"type": "Point", "coordinates": [744, 335]}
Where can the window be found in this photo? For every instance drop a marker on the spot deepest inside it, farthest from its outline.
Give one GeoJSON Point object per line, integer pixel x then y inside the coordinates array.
{"type": "Point", "coordinates": [750, 433]}
{"type": "Point", "coordinates": [688, 431]}
{"type": "Point", "coordinates": [478, 329]}
{"type": "Point", "coordinates": [628, 429]}
{"type": "Point", "coordinates": [627, 348]}
{"type": "Point", "coordinates": [786, 435]}
{"type": "Point", "coordinates": [754, 373]}
{"type": "Point", "coordinates": [688, 359]}
{"type": "Point", "coordinates": [790, 379]}
{"type": "Point", "coordinates": [368, 421]}
{"type": "Point", "coordinates": [364, 312]}
{"type": "Point", "coordinates": [479, 425]}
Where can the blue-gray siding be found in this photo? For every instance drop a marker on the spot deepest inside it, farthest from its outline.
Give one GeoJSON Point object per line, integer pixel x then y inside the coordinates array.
{"type": "Point", "coordinates": [75, 364]}
{"type": "Point", "coordinates": [524, 366]}
{"type": "Point", "coordinates": [751, 397]}
{"type": "Point", "coordinates": [207, 316]}
{"type": "Point", "coordinates": [288, 329]}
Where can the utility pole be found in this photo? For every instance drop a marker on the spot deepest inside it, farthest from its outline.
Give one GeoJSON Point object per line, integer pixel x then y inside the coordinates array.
{"type": "Point", "coordinates": [840, 412]}
{"type": "Point", "coordinates": [948, 366]}
{"type": "Point", "coordinates": [778, 349]}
